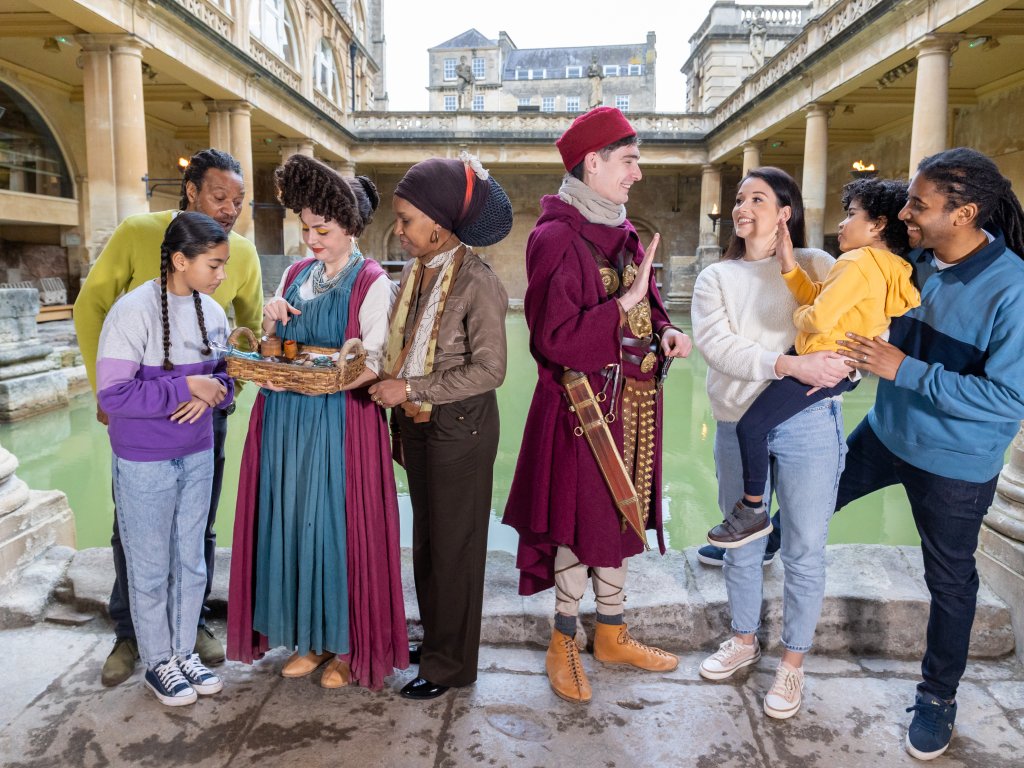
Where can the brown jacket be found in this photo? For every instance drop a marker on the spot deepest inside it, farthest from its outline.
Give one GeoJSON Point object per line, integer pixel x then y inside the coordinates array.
{"type": "Point", "coordinates": [471, 351]}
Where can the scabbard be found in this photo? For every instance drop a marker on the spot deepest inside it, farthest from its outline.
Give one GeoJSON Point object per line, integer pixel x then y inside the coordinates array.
{"type": "Point", "coordinates": [593, 426]}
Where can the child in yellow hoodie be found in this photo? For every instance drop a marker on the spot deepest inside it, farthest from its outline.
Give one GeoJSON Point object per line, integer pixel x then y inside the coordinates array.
{"type": "Point", "coordinates": [868, 285]}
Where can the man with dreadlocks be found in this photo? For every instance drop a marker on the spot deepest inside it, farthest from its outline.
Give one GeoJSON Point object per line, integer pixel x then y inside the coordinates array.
{"type": "Point", "coordinates": [211, 184]}
{"type": "Point", "coordinates": [950, 399]}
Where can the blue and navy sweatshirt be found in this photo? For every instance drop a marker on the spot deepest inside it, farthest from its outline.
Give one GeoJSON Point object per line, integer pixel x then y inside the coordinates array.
{"type": "Point", "coordinates": [958, 397]}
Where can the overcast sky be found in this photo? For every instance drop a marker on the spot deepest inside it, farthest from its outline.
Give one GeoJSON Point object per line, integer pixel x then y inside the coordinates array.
{"type": "Point", "coordinates": [413, 26]}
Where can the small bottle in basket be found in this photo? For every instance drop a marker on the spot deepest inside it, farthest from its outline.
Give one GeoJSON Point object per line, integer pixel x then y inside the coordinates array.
{"type": "Point", "coordinates": [291, 349]}
{"type": "Point", "coordinates": [270, 346]}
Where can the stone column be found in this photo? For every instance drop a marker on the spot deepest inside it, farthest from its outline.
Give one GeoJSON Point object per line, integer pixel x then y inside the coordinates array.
{"type": "Point", "coordinates": [292, 240]}
{"type": "Point", "coordinates": [241, 150]}
{"type": "Point", "coordinates": [931, 97]}
{"type": "Point", "coordinates": [1001, 545]}
{"type": "Point", "coordinates": [708, 249]}
{"type": "Point", "coordinates": [218, 116]}
{"type": "Point", "coordinates": [99, 140]}
{"type": "Point", "coordinates": [129, 126]}
{"type": "Point", "coordinates": [751, 156]}
{"type": "Point", "coordinates": [815, 180]}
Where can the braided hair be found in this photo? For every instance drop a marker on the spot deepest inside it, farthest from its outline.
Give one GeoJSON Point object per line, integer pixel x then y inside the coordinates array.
{"type": "Point", "coordinates": [304, 182]}
{"type": "Point", "coordinates": [199, 164]}
{"type": "Point", "coordinates": [190, 234]}
{"type": "Point", "coordinates": [965, 176]}
{"type": "Point", "coordinates": [878, 198]}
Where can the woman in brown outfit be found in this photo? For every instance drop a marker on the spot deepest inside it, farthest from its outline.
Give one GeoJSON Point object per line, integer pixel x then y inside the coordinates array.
{"type": "Point", "coordinates": [445, 357]}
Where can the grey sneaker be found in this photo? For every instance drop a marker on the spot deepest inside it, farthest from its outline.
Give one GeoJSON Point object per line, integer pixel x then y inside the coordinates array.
{"type": "Point", "coordinates": [209, 648]}
{"type": "Point", "coordinates": [741, 526]}
{"type": "Point", "coordinates": [120, 663]}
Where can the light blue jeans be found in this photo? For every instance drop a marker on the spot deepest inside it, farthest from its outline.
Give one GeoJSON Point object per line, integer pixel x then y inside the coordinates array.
{"type": "Point", "coordinates": [808, 453]}
{"type": "Point", "coordinates": [162, 507]}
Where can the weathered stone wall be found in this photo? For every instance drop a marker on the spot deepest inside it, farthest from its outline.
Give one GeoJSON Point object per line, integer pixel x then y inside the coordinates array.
{"type": "Point", "coordinates": [651, 209]}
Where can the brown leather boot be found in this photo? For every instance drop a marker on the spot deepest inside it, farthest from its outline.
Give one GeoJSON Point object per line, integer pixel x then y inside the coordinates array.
{"type": "Point", "coordinates": [613, 645]}
{"type": "Point", "coordinates": [565, 670]}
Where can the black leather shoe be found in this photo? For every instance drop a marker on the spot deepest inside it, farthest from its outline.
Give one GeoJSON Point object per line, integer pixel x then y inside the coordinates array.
{"type": "Point", "coordinates": [421, 688]}
{"type": "Point", "coordinates": [414, 653]}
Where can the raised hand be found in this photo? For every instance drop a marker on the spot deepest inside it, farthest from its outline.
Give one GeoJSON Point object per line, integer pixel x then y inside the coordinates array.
{"type": "Point", "coordinates": [638, 290]}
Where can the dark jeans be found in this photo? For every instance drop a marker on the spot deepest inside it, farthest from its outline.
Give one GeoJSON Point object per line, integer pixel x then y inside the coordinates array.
{"type": "Point", "coordinates": [118, 607]}
{"type": "Point", "coordinates": [948, 516]}
{"type": "Point", "coordinates": [450, 462]}
{"type": "Point", "coordinates": [782, 400]}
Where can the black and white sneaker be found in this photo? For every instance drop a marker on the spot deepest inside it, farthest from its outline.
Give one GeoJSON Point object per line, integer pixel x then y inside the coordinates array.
{"type": "Point", "coordinates": [169, 685]}
{"type": "Point", "coordinates": [198, 676]}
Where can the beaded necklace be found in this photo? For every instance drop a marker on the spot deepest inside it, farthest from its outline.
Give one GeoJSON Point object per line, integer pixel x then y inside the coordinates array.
{"type": "Point", "coordinates": [320, 284]}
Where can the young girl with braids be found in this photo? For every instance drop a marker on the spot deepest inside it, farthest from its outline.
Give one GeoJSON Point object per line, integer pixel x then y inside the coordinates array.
{"type": "Point", "coordinates": [157, 380]}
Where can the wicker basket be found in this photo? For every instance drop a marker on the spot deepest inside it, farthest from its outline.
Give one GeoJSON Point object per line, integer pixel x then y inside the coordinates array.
{"type": "Point", "coordinates": [296, 377]}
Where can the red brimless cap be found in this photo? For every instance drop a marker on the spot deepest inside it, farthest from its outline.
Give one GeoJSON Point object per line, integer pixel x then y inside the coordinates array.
{"type": "Point", "coordinates": [590, 132]}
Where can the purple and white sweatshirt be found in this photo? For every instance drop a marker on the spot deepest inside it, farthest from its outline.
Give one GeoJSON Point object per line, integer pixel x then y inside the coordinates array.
{"type": "Point", "coordinates": [136, 392]}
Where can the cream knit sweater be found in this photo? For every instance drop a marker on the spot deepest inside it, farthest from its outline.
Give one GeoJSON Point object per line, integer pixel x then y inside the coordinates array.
{"type": "Point", "coordinates": [742, 321]}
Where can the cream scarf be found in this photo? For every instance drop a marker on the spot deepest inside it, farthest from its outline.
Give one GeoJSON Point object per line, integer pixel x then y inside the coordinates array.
{"type": "Point", "coordinates": [595, 209]}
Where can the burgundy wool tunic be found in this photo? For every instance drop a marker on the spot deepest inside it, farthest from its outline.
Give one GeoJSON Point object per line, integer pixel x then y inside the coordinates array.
{"type": "Point", "coordinates": [558, 496]}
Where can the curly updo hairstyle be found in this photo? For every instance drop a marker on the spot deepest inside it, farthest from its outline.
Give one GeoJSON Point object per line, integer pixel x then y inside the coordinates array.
{"type": "Point", "coordinates": [304, 182]}
{"type": "Point", "coordinates": [882, 198]}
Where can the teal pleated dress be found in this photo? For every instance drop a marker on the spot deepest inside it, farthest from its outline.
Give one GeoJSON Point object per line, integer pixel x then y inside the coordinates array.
{"type": "Point", "coordinates": [301, 596]}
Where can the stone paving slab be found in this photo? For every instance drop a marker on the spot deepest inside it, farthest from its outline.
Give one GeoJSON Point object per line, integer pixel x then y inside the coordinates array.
{"type": "Point", "coordinates": [57, 714]}
{"type": "Point", "coordinates": [875, 602]}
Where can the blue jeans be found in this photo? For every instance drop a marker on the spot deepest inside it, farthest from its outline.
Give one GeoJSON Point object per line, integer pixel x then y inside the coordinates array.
{"type": "Point", "coordinates": [807, 453]}
{"type": "Point", "coordinates": [118, 607]}
{"type": "Point", "coordinates": [162, 508]}
{"type": "Point", "coordinates": [948, 515]}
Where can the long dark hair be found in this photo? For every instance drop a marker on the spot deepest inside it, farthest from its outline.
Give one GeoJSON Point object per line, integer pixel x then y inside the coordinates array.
{"type": "Point", "coordinates": [199, 164]}
{"type": "Point", "coordinates": [965, 176]}
{"type": "Point", "coordinates": [191, 234]}
{"type": "Point", "coordinates": [786, 193]}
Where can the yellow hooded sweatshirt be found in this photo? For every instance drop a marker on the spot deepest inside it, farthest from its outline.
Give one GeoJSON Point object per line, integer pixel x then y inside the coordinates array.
{"type": "Point", "coordinates": [864, 288]}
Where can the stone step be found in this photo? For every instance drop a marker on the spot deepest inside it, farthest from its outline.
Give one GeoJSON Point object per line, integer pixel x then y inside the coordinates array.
{"type": "Point", "coordinates": [875, 602]}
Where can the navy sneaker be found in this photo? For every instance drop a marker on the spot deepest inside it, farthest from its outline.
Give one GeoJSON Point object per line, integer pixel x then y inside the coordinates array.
{"type": "Point", "coordinates": [202, 680]}
{"type": "Point", "coordinates": [170, 686]}
{"type": "Point", "coordinates": [931, 728]}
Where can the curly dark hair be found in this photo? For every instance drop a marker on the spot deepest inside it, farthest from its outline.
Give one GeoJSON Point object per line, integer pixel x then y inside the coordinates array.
{"type": "Point", "coordinates": [304, 182]}
{"type": "Point", "coordinates": [882, 198]}
{"type": "Point", "coordinates": [199, 164]}
{"type": "Point", "coordinates": [965, 176]}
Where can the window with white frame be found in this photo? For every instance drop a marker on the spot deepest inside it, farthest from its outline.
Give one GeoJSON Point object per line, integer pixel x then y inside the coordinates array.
{"type": "Point", "coordinates": [450, 103]}
{"type": "Point", "coordinates": [547, 104]}
{"type": "Point", "coordinates": [270, 22]}
{"type": "Point", "coordinates": [537, 74]}
{"type": "Point", "coordinates": [635, 69]}
{"type": "Point", "coordinates": [479, 68]}
{"type": "Point", "coordinates": [478, 103]}
{"type": "Point", "coordinates": [449, 69]}
{"type": "Point", "coordinates": [524, 101]}
{"type": "Point", "coordinates": [325, 71]}
{"type": "Point", "coordinates": [622, 103]}
{"type": "Point", "coordinates": [572, 103]}
{"type": "Point", "coordinates": [611, 70]}
{"type": "Point", "coordinates": [574, 71]}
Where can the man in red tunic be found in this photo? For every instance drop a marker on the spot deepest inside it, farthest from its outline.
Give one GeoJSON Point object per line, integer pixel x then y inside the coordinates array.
{"type": "Point", "coordinates": [592, 306]}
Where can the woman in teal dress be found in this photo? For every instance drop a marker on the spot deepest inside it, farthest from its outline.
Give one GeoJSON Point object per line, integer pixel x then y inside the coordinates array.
{"type": "Point", "coordinates": [322, 569]}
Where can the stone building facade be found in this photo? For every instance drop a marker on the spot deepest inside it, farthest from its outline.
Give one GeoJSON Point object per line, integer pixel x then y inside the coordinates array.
{"type": "Point", "coordinates": [471, 72]}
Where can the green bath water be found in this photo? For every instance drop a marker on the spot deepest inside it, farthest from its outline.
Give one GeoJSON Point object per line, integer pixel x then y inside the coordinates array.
{"type": "Point", "coordinates": [68, 449]}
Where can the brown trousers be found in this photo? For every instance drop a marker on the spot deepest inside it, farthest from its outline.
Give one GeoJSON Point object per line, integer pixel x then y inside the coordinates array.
{"type": "Point", "coordinates": [450, 463]}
